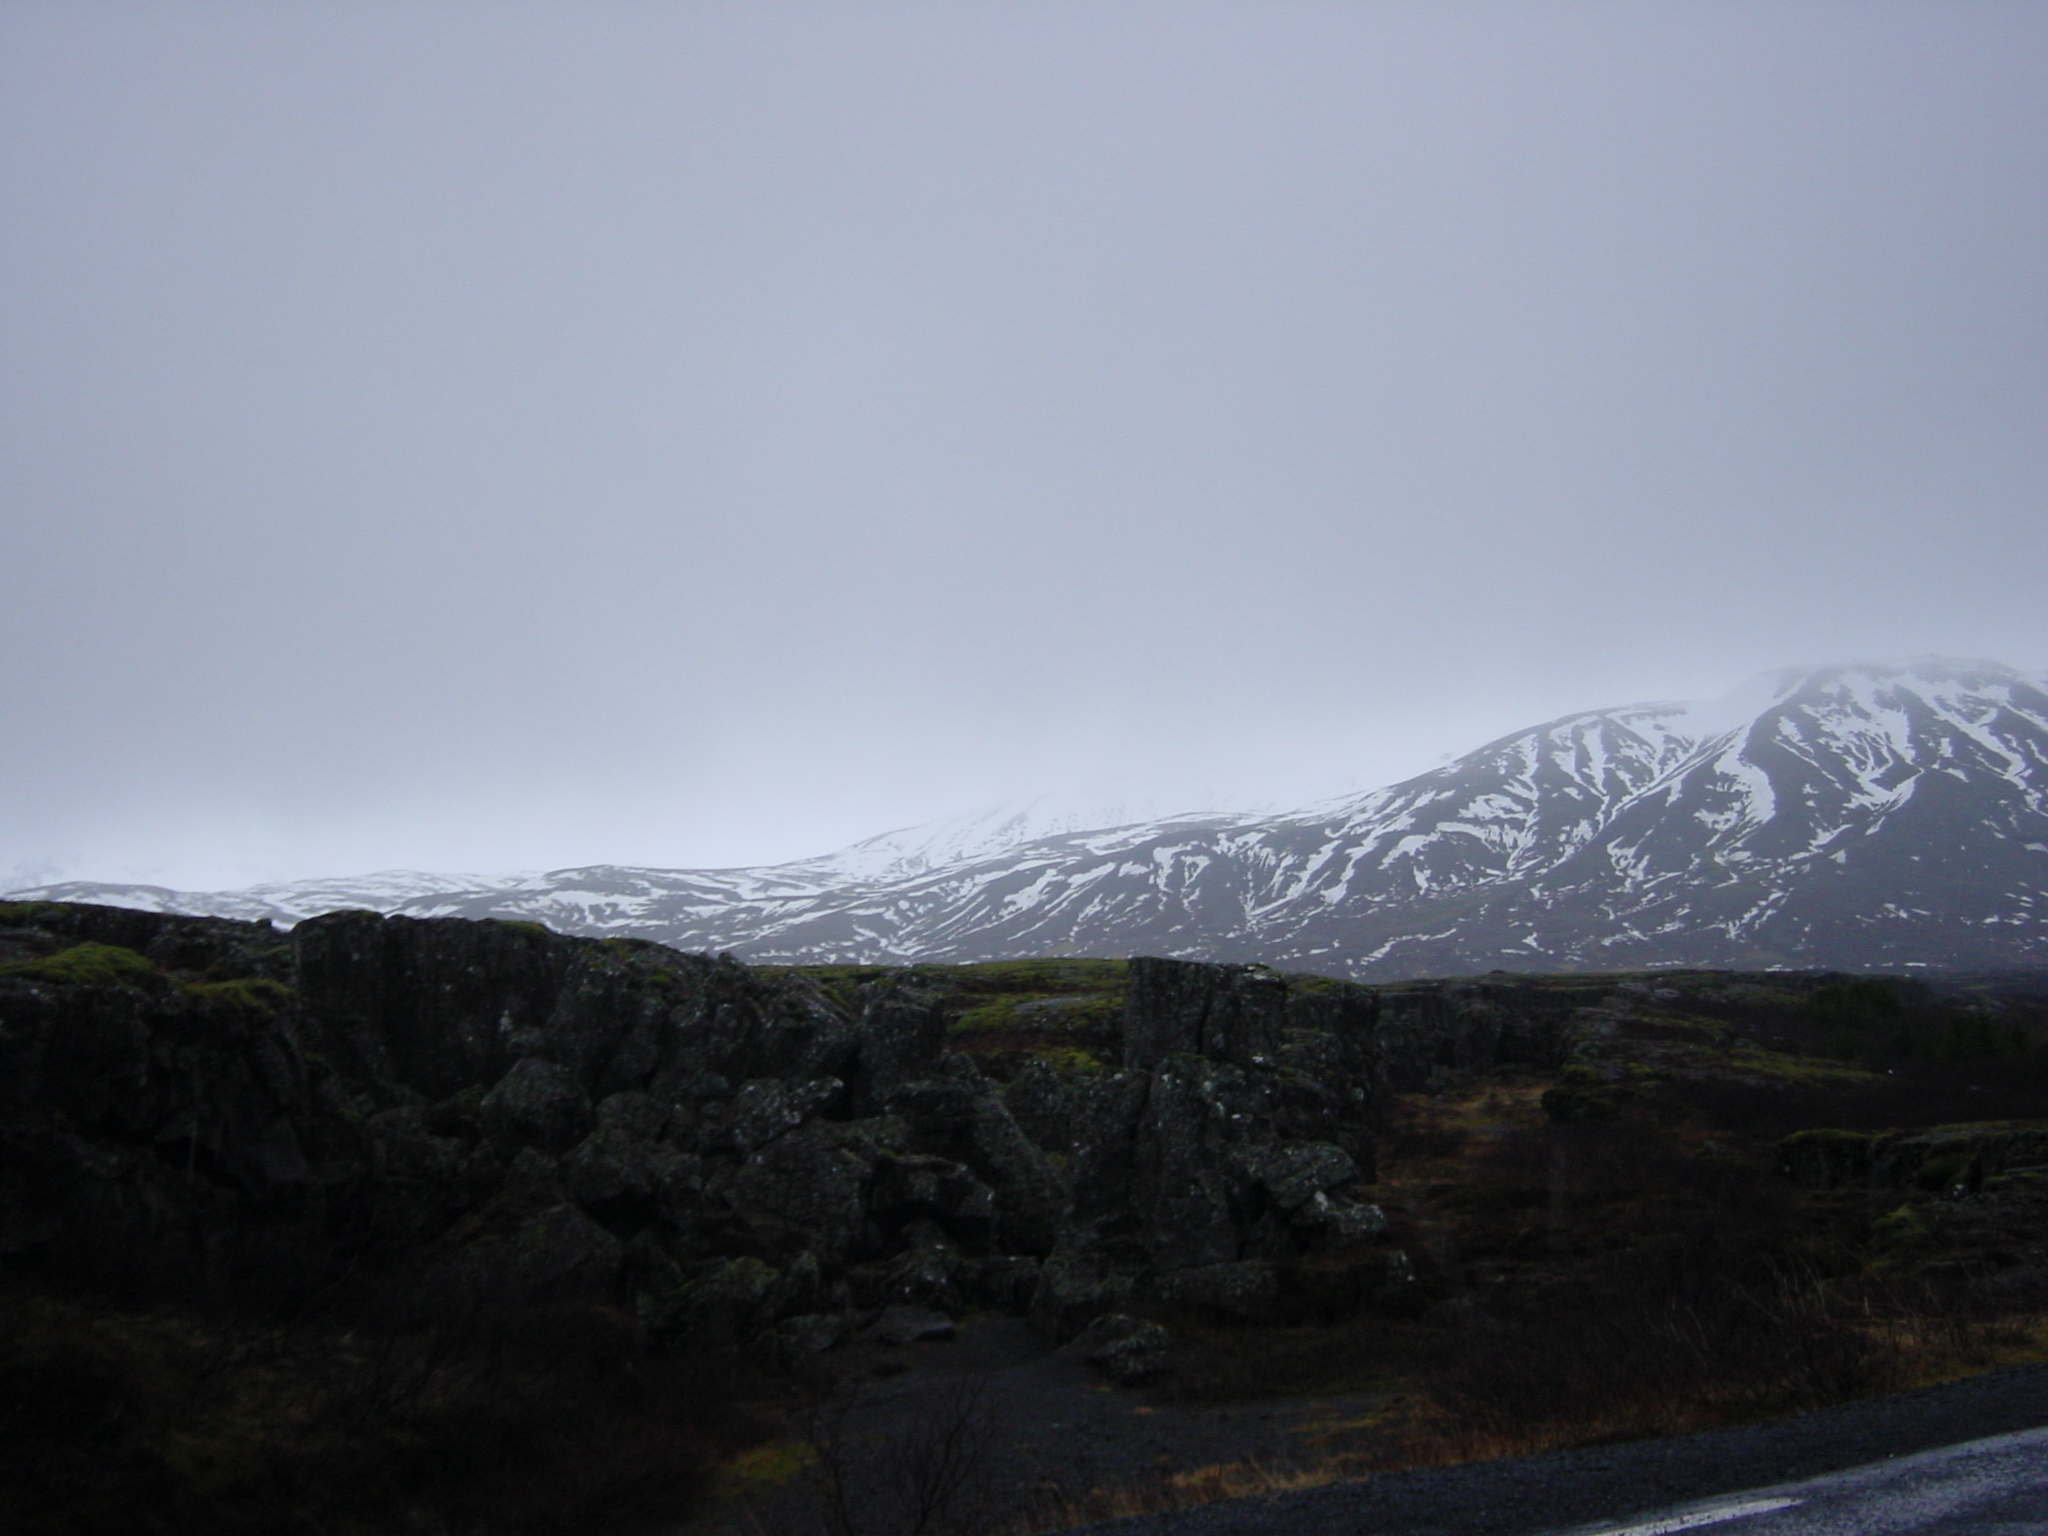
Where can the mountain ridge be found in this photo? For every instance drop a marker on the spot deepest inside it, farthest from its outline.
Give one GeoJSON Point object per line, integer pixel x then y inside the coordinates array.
{"type": "Point", "coordinates": [1856, 815]}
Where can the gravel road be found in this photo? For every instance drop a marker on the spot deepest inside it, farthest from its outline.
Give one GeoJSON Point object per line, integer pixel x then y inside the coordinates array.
{"type": "Point", "coordinates": [1609, 1486]}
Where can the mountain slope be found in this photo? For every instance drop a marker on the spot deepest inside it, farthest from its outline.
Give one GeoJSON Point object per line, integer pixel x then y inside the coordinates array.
{"type": "Point", "coordinates": [1858, 816]}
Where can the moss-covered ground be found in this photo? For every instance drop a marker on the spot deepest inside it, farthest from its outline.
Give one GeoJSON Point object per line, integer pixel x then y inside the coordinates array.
{"type": "Point", "coordinates": [1006, 1013]}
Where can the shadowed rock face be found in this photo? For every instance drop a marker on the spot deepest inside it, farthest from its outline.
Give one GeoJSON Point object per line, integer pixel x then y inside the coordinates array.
{"type": "Point", "coordinates": [198, 1107]}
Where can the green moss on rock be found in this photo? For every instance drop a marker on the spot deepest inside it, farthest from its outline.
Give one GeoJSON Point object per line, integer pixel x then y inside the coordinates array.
{"type": "Point", "coordinates": [1067, 1058]}
{"type": "Point", "coordinates": [86, 965]}
{"type": "Point", "coordinates": [1905, 1231]}
{"type": "Point", "coordinates": [249, 994]}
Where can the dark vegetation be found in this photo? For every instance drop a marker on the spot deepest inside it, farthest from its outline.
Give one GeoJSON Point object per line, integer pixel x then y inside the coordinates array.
{"type": "Point", "coordinates": [926, 1476]}
{"type": "Point", "coordinates": [1640, 1260]}
{"type": "Point", "coordinates": [1007, 1013]}
{"type": "Point", "coordinates": [255, 1402]}
{"type": "Point", "coordinates": [517, 1418]}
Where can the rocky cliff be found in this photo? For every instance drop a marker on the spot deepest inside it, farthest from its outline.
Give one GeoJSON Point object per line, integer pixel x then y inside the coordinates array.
{"type": "Point", "coordinates": [194, 1107]}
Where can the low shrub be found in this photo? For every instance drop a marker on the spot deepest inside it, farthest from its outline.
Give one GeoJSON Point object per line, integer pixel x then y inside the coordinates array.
{"type": "Point", "coordinates": [516, 1422]}
{"type": "Point", "coordinates": [1661, 1360]}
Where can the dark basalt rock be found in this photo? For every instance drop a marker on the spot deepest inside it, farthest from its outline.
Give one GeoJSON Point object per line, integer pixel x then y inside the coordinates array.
{"type": "Point", "coordinates": [537, 1104]}
{"type": "Point", "coordinates": [811, 1182]}
{"type": "Point", "coordinates": [1079, 1282]}
{"type": "Point", "coordinates": [197, 1104]}
{"type": "Point", "coordinates": [935, 1189]}
{"type": "Point", "coordinates": [724, 1306]}
{"type": "Point", "coordinates": [1291, 1176]}
{"type": "Point", "coordinates": [1232, 1013]}
{"type": "Point", "coordinates": [1969, 1157]}
{"type": "Point", "coordinates": [1241, 1292]}
{"type": "Point", "coordinates": [428, 1005]}
{"type": "Point", "coordinates": [765, 1107]}
{"type": "Point", "coordinates": [901, 1035]}
{"type": "Point", "coordinates": [1126, 1349]}
{"type": "Point", "coordinates": [1431, 1034]}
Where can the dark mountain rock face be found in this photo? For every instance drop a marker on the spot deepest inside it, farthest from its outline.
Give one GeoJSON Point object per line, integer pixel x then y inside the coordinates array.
{"type": "Point", "coordinates": [1852, 817]}
{"type": "Point", "coordinates": [1857, 817]}
{"type": "Point", "coordinates": [196, 1107]}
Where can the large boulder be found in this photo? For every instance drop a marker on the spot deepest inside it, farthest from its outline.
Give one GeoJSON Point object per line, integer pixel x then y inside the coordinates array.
{"type": "Point", "coordinates": [1125, 1349]}
{"type": "Point", "coordinates": [1294, 1173]}
{"type": "Point", "coordinates": [530, 1242]}
{"type": "Point", "coordinates": [1039, 1100]}
{"type": "Point", "coordinates": [1104, 1109]}
{"type": "Point", "coordinates": [765, 1107]}
{"type": "Point", "coordinates": [625, 1181]}
{"type": "Point", "coordinates": [721, 1307]}
{"type": "Point", "coordinates": [901, 1036]}
{"type": "Point", "coordinates": [1078, 1283]}
{"type": "Point", "coordinates": [538, 1104]}
{"type": "Point", "coordinates": [723, 1019]}
{"type": "Point", "coordinates": [1188, 1184]}
{"type": "Point", "coordinates": [1228, 1013]}
{"type": "Point", "coordinates": [935, 1188]}
{"type": "Point", "coordinates": [812, 1180]}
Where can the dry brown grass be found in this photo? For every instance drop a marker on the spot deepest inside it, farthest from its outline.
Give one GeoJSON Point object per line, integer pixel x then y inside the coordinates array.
{"type": "Point", "coordinates": [1909, 1350]}
{"type": "Point", "coordinates": [1191, 1489]}
{"type": "Point", "coordinates": [1681, 1289]}
{"type": "Point", "coordinates": [1936, 1344]}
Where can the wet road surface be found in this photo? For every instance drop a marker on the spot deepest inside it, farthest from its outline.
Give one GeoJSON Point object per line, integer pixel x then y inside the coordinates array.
{"type": "Point", "coordinates": [1990, 1487]}
{"type": "Point", "coordinates": [1966, 1459]}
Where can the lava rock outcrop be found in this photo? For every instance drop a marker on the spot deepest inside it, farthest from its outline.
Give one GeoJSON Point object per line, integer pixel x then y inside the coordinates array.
{"type": "Point", "coordinates": [195, 1107]}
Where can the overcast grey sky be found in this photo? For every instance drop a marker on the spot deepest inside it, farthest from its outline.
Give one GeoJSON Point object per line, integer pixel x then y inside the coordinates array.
{"type": "Point", "coordinates": [497, 435]}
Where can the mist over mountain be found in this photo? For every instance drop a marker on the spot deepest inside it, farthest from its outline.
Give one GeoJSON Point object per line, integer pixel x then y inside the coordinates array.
{"type": "Point", "coordinates": [1867, 815]}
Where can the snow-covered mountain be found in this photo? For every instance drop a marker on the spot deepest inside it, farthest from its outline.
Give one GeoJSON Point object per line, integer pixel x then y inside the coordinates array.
{"type": "Point", "coordinates": [597, 898]}
{"type": "Point", "coordinates": [1860, 815]}
{"type": "Point", "coordinates": [983, 833]}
